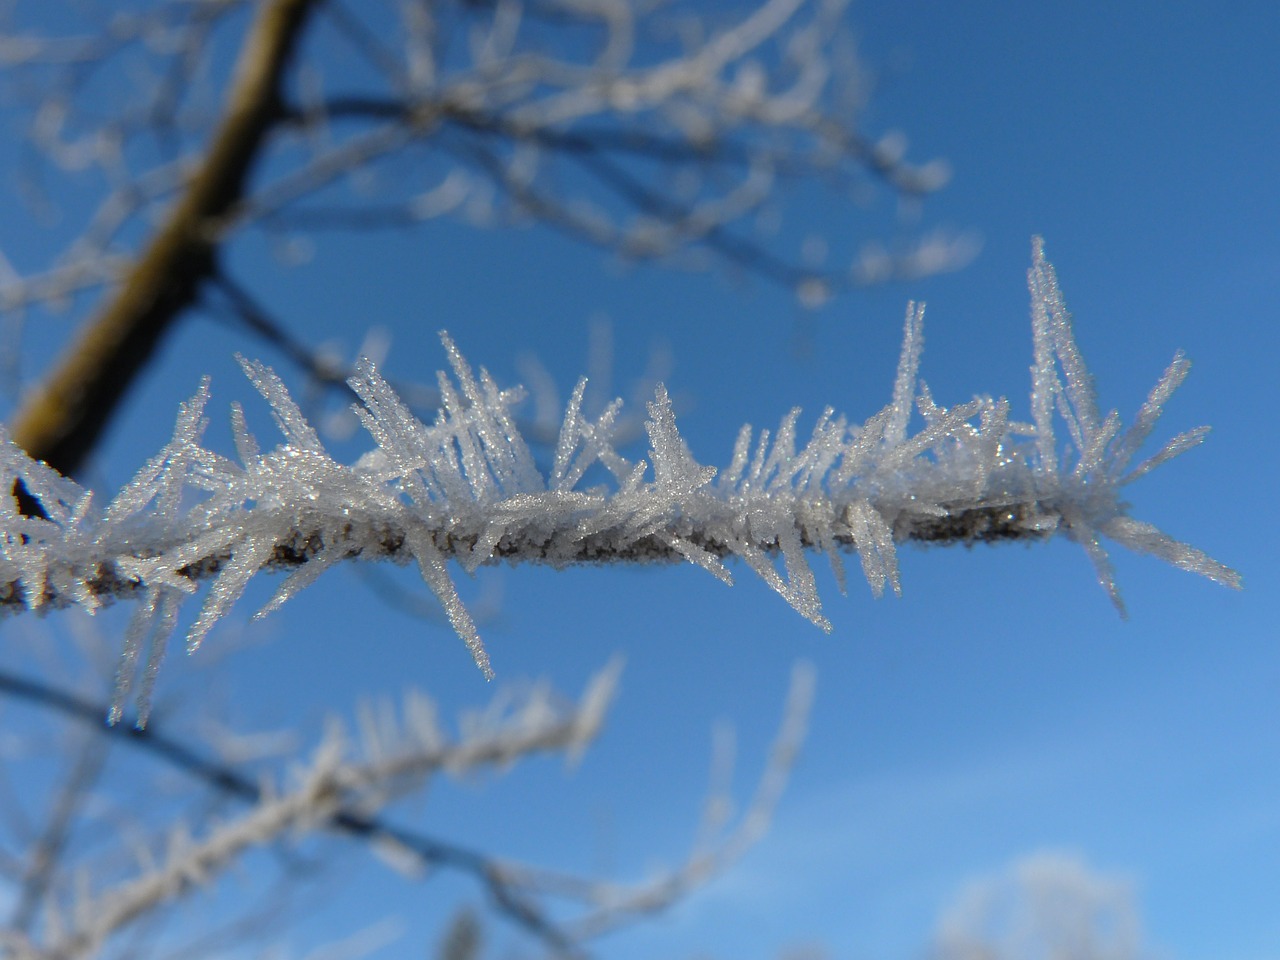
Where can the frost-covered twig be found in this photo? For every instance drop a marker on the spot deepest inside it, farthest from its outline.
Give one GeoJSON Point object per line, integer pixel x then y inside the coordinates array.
{"type": "Point", "coordinates": [608, 906]}
{"type": "Point", "coordinates": [466, 489]}
{"type": "Point", "coordinates": [335, 790]}
{"type": "Point", "coordinates": [564, 911]}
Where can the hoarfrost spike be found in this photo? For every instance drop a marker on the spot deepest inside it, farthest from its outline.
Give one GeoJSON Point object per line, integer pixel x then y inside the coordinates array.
{"type": "Point", "coordinates": [466, 488]}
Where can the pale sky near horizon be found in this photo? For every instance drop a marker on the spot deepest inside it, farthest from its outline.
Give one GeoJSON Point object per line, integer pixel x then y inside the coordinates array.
{"type": "Point", "coordinates": [1000, 708]}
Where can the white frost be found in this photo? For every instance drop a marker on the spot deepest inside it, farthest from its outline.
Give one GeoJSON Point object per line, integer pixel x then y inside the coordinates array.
{"type": "Point", "coordinates": [466, 488]}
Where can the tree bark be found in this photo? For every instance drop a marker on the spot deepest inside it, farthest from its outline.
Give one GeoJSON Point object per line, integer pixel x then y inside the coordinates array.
{"type": "Point", "coordinates": [63, 419]}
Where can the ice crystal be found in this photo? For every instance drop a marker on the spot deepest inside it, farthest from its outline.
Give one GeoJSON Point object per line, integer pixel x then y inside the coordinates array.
{"type": "Point", "coordinates": [466, 489]}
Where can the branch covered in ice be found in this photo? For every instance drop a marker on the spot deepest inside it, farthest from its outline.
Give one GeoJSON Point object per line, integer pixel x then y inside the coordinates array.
{"type": "Point", "coordinates": [466, 489]}
{"type": "Point", "coordinates": [345, 787]}
{"type": "Point", "coordinates": [349, 778]}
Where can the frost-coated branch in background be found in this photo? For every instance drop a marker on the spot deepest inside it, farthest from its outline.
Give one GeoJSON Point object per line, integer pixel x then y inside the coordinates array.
{"type": "Point", "coordinates": [465, 488]}
{"type": "Point", "coordinates": [352, 775]}
{"type": "Point", "coordinates": [1045, 905]}
{"type": "Point", "coordinates": [344, 789]}
{"type": "Point", "coordinates": [650, 131]}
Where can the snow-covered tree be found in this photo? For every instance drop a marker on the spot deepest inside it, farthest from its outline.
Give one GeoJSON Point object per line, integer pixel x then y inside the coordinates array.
{"type": "Point", "coordinates": [1047, 906]}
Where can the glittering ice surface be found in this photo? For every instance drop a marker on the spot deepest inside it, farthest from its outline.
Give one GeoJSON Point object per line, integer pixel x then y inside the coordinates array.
{"type": "Point", "coordinates": [465, 489]}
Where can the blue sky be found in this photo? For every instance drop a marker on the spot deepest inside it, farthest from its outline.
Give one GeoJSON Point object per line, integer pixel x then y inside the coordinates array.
{"type": "Point", "coordinates": [1000, 707]}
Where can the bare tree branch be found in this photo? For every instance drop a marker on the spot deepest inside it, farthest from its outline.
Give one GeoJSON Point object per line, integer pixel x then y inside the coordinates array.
{"type": "Point", "coordinates": [61, 422]}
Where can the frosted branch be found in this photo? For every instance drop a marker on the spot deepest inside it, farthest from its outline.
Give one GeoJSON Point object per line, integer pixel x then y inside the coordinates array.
{"type": "Point", "coordinates": [465, 489]}
{"type": "Point", "coordinates": [340, 788]}
{"type": "Point", "coordinates": [661, 137]}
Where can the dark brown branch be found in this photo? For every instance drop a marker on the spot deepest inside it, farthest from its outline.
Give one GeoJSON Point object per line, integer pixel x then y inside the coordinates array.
{"type": "Point", "coordinates": [967, 524]}
{"type": "Point", "coordinates": [715, 237]}
{"type": "Point", "coordinates": [654, 145]}
{"type": "Point", "coordinates": [63, 419]}
{"type": "Point", "coordinates": [255, 317]}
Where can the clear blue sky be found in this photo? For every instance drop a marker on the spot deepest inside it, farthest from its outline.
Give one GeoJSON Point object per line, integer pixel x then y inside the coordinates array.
{"type": "Point", "coordinates": [1000, 707]}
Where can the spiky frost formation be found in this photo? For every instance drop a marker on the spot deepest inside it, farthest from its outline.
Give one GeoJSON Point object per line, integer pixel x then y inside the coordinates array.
{"type": "Point", "coordinates": [466, 488]}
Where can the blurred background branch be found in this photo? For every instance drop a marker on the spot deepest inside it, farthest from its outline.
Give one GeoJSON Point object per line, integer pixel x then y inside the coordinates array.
{"type": "Point", "coordinates": [645, 131]}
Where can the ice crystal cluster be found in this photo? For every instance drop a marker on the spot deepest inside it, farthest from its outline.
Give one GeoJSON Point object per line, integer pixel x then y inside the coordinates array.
{"type": "Point", "coordinates": [466, 489]}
